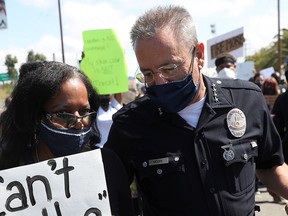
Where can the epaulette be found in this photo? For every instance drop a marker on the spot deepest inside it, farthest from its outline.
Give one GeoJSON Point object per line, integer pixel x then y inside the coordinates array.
{"type": "Point", "coordinates": [235, 84]}
{"type": "Point", "coordinates": [220, 91]}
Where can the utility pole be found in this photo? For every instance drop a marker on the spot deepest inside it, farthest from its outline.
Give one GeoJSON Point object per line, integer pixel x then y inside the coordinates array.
{"type": "Point", "coordinates": [279, 41]}
{"type": "Point", "coordinates": [62, 45]}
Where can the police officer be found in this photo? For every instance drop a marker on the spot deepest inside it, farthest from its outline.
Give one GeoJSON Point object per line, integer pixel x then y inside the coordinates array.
{"type": "Point", "coordinates": [193, 142]}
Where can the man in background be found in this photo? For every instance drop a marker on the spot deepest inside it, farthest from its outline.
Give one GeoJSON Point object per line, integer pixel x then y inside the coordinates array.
{"type": "Point", "coordinates": [226, 66]}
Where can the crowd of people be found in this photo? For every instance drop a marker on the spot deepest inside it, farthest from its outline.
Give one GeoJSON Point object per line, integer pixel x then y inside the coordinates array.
{"type": "Point", "coordinates": [192, 144]}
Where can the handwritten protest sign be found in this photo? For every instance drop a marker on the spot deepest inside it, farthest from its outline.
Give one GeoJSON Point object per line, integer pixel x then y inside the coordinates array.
{"type": "Point", "coordinates": [104, 62]}
{"type": "Point", "coordinates": [72, 185]}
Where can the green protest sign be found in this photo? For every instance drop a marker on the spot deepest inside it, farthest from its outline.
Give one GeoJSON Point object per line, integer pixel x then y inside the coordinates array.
{"type": "Point", "coordinates": [104, 61]}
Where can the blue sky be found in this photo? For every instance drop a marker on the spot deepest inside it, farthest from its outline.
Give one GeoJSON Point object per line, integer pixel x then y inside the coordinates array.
{"type": "Point", "coordinates": [34, 24]}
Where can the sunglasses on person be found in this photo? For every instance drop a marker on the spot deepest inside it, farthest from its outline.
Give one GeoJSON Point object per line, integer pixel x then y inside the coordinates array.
{"type": "Point", "coordinates": [67, 120]}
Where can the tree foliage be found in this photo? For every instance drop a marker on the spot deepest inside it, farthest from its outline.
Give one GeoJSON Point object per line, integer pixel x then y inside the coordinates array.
{"type": "Point", "coordinates": [10, 64]}
{"type": "Point", "coordinates": [32, 57]}
{"type": "Point", "coordinates": [268, 56]}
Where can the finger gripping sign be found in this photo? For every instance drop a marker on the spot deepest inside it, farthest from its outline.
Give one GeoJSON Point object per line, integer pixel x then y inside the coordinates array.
{"type": "Point", "coordinates": [65, 186]}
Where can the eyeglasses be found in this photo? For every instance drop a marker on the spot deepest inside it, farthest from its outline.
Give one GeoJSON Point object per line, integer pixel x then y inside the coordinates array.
{"type": "Point", "coordinates": [67, 120]}
{"type": "Point", "coordinates": [166, 72]}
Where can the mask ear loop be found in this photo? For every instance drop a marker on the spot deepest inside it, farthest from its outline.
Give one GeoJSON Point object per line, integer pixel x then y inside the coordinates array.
{"type": "Point", "coordinates": [192, 68]}
{"type": "Point", "coordinates": [34, 148]}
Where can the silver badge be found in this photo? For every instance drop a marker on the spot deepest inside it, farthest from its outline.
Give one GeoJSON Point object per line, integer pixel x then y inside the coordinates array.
{"type": "Point", "coordinates": [236, 121]}
{"type": "Point", "coordinates": [228, 153]}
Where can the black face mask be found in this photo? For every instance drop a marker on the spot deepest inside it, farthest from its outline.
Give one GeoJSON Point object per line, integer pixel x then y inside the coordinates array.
{"type": "Point", "coordinates": [174, 96]}
{"type": "Point", "coordinates": [63, 142]}
{"type": "Point", "coordinates": [104, 101]}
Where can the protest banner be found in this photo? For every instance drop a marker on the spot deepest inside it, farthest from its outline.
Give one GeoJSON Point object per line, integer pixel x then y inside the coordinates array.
{"type": "Point", "coordinates": [3, 15]}
{"type": "Point", "coordinates": [104, 61]}
{"type": "Point", "coordinates": [231, 42]}
{"type": "Point", "coordinates": [65, 186]}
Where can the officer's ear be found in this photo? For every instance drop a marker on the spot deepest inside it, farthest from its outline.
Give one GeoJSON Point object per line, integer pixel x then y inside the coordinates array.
{"type": "Point", "coordinates": [200, 54]}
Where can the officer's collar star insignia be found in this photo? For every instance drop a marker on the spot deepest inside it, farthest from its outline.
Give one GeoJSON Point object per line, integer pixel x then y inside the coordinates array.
{"type": "Point", "coordinates": [214, 93]}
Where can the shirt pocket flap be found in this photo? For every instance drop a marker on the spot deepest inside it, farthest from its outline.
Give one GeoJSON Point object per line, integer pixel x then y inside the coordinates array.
{"type": "Point", "coordinates": [239, 152]}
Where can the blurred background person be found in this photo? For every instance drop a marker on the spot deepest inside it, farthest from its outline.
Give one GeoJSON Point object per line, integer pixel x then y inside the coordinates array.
{"type": "Point", "coordinates": [281, 82]}
{"type": "Point", "coordinates": [270, 86]}
{"type": "Point", "coordinates": [109, 104]}
{"type": "Point", "coordinates": [226, 66]}
{"type": "Point", "coordinates": [258, 79]}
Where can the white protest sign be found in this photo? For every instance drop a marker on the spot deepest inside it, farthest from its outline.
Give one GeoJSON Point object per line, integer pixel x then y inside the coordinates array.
{"type": "Point", "coordinates": [66, 186]}
{"type": "Point", "coordinates": [267, 72]}
{"type": "Point", "coordinates": [231, 42]}
{"type": "Point", "coordinates": [244, 70]}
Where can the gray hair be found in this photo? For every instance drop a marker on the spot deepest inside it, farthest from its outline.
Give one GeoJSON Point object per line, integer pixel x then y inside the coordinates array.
{"type": "Point", "coordinates": [175, 18]}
